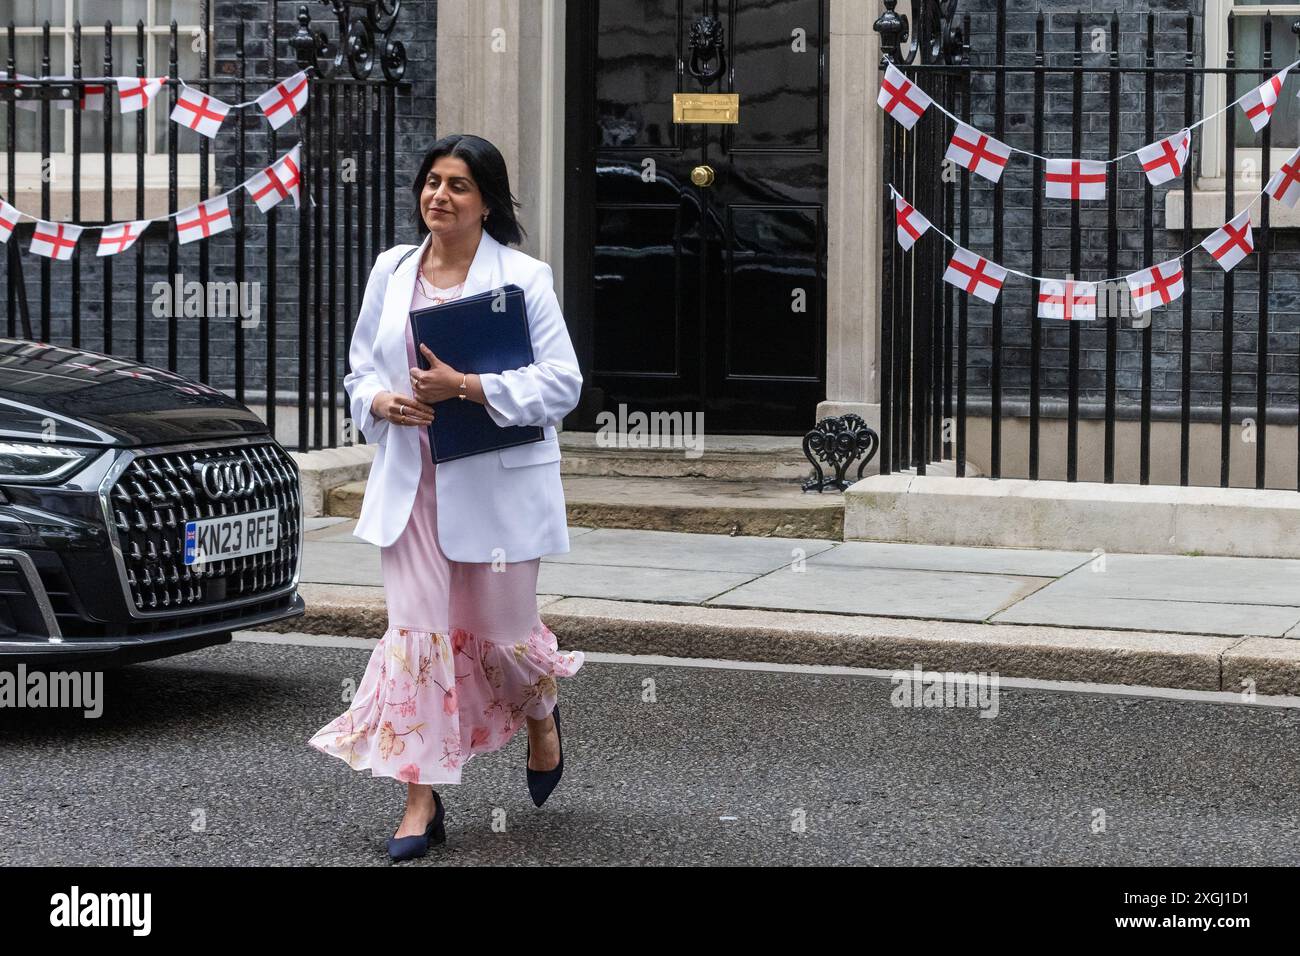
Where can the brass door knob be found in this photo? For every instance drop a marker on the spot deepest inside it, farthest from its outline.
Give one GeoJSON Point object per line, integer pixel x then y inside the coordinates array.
{"type": "Point", "coordinates": [702, 175]}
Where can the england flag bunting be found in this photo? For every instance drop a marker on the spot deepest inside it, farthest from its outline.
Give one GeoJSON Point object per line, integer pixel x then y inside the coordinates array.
{"type": "Point", "coordinates": [120, 237]}
{"type": "Point", "coordinates": [1164, 160]}
{"type": "Point", "coordinates": [1258, 103]}
{"type": "Point", "coordinates": [1284, 186]}
{"type": "Point", "coordinates": [1072, 301]}
{"type": "Point", "coordinates": [8, 219]}
{"type": "Point", "coordinates": [279, 180]}
{"type": "Point", "coordinates": [975, 275]}
{"type": "Point", "coordinates": [901, 98]}
{"type": "Point", "coordinates": [1158, 285]}
{"type": "Point", "coordinates": [205, 219]}
{"type": "Point", "coordinates": [979, 153]}
{"type": "Point", "coordinates": [1076, 179]}
{"type": "Point", "coordinates": [54, 240]}
{"type": "Point", "coordinates": [200, 112]}
{"type": "Point", "coordinates": [282, 102]}
{"type": "Point", "coordinates": [1231, 243]}
{"type": "Point", "coordinates": [136, 92]}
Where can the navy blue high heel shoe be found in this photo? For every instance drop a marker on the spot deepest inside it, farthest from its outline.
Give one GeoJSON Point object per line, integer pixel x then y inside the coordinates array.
{"type": "Point", "coordinates": [542, 782]}
{"type": "Point", "coordinates": [410, 847]}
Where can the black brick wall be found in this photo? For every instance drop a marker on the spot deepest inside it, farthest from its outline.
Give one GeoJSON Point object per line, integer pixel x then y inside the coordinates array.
{"type": "Point", "coordinates": [414, 133]}
{"type": "Point", "coordinates": [1206, 277]}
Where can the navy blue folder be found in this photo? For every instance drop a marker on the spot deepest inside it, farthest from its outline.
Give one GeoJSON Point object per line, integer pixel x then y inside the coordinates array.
{"type": "Point", "coordinates": [487, 332]}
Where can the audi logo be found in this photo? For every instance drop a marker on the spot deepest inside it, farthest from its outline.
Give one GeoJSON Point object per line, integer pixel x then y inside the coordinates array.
{"type": "Point", "coordinates": [226, 479]}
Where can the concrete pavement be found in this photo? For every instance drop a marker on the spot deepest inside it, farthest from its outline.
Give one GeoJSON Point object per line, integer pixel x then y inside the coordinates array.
{"type": "Point", "coordinates": [1204, 623]}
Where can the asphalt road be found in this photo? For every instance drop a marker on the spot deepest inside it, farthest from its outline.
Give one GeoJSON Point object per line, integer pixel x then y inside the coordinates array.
{"type": "Point", "coordinates": [719, 768]}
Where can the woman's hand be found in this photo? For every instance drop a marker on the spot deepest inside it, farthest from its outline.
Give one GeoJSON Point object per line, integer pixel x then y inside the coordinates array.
{"type": "Point", "coordinates": [439, 382]}
{"type": "Point", "coordinates": [401, 409]}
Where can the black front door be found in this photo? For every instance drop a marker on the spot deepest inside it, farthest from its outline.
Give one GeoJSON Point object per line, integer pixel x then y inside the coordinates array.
{"type": "Point", "coordinates": [705, 295]}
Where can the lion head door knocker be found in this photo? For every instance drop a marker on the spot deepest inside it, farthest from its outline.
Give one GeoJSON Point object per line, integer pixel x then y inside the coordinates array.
{"type": "Point", "coordinates": [707, 48]}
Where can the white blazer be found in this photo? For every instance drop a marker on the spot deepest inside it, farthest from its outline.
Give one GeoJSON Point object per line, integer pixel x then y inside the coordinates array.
{"type": "Point", "coordinates": [506, 504]}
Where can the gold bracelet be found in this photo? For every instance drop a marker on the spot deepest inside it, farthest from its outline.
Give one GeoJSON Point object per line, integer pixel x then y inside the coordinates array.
{"type": "Point", "coordinates": [462, 385]}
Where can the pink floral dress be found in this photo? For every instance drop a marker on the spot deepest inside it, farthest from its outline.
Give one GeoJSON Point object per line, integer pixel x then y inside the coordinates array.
{"type": "Point", "coordinates": [465, 658]}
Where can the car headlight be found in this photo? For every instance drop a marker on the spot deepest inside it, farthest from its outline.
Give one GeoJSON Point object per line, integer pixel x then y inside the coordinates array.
{"type": "Point", "coordinates": [40, 463]}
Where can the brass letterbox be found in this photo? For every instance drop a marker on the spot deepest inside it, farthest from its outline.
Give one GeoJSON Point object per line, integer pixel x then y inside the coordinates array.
{"type": "Point", "coordinates": [706, 107]}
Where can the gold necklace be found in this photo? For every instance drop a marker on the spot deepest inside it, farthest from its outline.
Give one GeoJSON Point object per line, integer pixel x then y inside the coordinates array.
{"type": "Point", "coordinates": [419, 277]}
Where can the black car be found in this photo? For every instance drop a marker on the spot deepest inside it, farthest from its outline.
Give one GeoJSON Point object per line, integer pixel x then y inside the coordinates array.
{"type": "Point", "coordinates": [141, 514]}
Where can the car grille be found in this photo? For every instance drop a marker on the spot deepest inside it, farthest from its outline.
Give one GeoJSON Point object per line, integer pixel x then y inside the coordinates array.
{"type": "Point", "coordinates": [158, 493]}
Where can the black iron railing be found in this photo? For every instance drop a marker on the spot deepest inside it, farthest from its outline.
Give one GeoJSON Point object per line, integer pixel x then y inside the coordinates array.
{"type": "Point", "coordinates": [1118, 100]}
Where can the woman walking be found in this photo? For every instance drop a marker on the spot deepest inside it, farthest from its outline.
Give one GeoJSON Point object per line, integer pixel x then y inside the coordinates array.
{"type": "Point", "coordinates": [466, 660]}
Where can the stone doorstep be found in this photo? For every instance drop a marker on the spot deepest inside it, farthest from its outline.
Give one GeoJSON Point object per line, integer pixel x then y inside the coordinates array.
{"type": "Point", "coordinates": [722, 457]}
{"type": "Point", "coordinates": [725, 458]}
{"type": "Point", "coordinates": [1135, 658]}
{"type": "Point", "coordinates": [657, 463]}
{"type": "Point", "coordinates": [330, 473]}
{"type": "Point", "coordinates": [704, 505]}
{"type": "Point", "coordinates": [1073, 516]}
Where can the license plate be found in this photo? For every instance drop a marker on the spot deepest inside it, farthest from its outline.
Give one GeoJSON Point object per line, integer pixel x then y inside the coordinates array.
{"type": "Point", "coordinates": [230, 536]}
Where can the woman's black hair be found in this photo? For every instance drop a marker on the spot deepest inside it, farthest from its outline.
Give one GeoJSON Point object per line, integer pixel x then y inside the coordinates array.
{"type": "Point", "coordinates": [487, 167]}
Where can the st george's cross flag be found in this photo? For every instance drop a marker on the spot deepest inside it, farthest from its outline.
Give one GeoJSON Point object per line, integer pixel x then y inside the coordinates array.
{"type": "Point", "coordinates": [1232, 242]}
{"type": "Point", "coordinates": [1258, 103]}
{"type": "Point", "coordinates": [200, 112]}
{"type": "Point", "coordinates": [136, 92]}
{"type": "Point", "coordinates": [1067, 300]}
{"type": "Point", "coordinates": [901, 98]}
{"type": "Point", "coordinates": [1076, 179]}
{"type": "Point", "coordinates": [911, 224]}
{"type": "Point", "coordinates": [8, 219]}
{"type": "Point", "coordinates": [282, 102]}
{"type": "Point", "coordinates": [206, 219]}
{"type": "Point", "coordinates": [1284, 185]}
{"type": "Point", "coordinates": [978, 152]}
{"type": "Point", "coordinates": [280, 179]}
{"type": "Point", "coordinates": [975, 274]}
{"type": "Point", "coordinates": [54, 240]}
{"type": "Point", "coordinates": [1158, 285]}
{"type": "Point", "coordinates": [120, 236]}
{"type": "Point", "coordinates": [1164, 160]}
